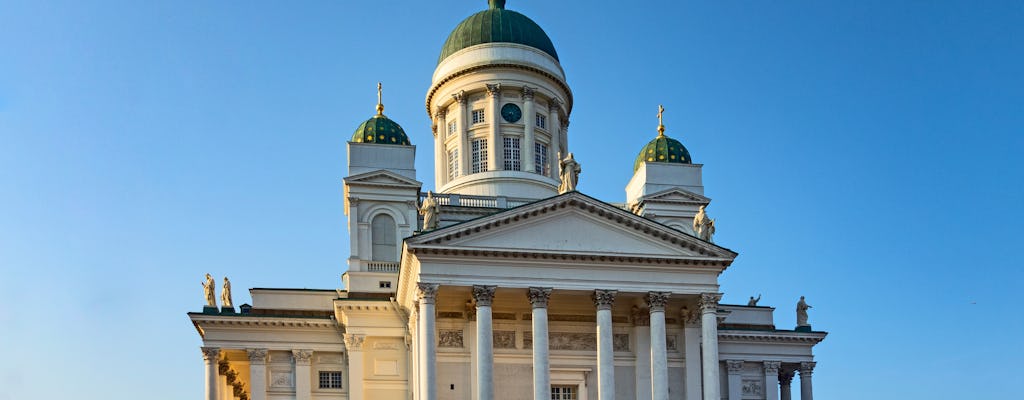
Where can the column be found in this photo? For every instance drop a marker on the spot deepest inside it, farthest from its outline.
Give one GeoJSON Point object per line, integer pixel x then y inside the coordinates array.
{"type": "Point", "coordinates": [604, 299]}
{"type": "Point", "coordinates": [496, 158]}
{"type": "Point", "coordinates": [303, 374]}
{"type": "Point", "coordinates": [691, 341]}
{"type": "Point", "coordinates": [642, 335]}
{"type": "Point", "coordinates": [785, 378]}
{"type": "Point", "coordinates": [484, 342]}
{"type": "Point", "coordinates": [257, 373]}
{"type": "Point", "coordinates": [354, 350]}
{"type": "Point", "coordinates": [555, 128]}
{"type": "Point", "coordinates": [210, 355]}
{"type": "Point", "coordinates": [529, 124]}
{"type": "Point", "coordinates": [463, 132]}
{"type": "Point", "coordinates": [541, 367]}
{"type": "Point", "coordinates": [440, 155]}
{"type": "Point", "coordinates": [659, 351]}
{"type": "Point", "coordinates": [225, 391]}
{"type": "Point", "coordinates": [414, 346]}
{"type": "Point", "coordinates": [771, 379]}
{"type": "Point", "coordinates": [735, 379]}
{"type": "Point", "coordinates": [427, 293]}
{"type": "Point", "coordinates": [709, 332]}
{"type": "Point", "coordinates": [806, 369]}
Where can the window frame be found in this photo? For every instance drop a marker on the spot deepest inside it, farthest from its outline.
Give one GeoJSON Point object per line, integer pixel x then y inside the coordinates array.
{"type": "Point", "coordinates": [330, 379]}
{"type": "Point", "coordinates": [478, 116]}
{"type": "Point", "coordinates": [512, 146]}
{"type": "Point", "coordinates": [479, 153]}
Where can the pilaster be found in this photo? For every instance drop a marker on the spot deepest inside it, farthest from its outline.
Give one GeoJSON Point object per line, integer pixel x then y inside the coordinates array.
{"type": "Point", "coordinates": [771, 379]}
{"type": "Point", "coordinates": [496, 158]}
{"type": "Point", "coordinates": [303, 374]}
{"type": "Point", "coordinates": [257, 373]}
{"type": "Point", "coordinates": [356, 365]}
{"type": "Point", "coordinates": [735, 368]}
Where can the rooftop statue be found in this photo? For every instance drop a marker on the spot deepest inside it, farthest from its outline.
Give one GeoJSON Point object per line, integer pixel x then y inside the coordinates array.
{"type": "Point", "coordinates": [208, 291]}
{"type": "Point", "coordinates": [753, 302]}
{"type": "Point", "coordinates": [430, 212]}
{"type": "Point", "coordinates": [801, 312]}
{"type": "Point", "coordinates": [703, 226]}
{"type": "Point", "coordinates": [225, 294]}
{"type": "Point", "coordinates": [569, 171]}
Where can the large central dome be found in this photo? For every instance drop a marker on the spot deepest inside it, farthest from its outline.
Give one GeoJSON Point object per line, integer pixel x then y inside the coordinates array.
{"type": "Point", "coordinates": [497, 25]}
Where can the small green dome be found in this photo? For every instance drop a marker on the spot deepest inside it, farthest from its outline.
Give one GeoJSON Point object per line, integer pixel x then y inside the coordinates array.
{"type": "Point", "coordinates": [380, 130]}
{"type": "Point", "coordinates": [663, 149]}
{"type": "Point", "coordinates": [497, 25]}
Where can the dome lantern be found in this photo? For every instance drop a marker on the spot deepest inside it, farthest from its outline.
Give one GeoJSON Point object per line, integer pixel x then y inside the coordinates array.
{"type": "Point", "coordinates": [380, 129]}
{"type": "Point", "coordinates": [663, 148]}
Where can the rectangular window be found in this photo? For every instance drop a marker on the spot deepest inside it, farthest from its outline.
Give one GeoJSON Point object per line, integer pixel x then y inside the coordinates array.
{"type": "Point", "coordinates": [330, 379]}
{"type": "Point", "coordinates": [540, 159]}
{"type": "Point", "coordinates": [479, 155]}
{"type": "Point", "coordinates": [512, 150]}
{"type": "Point", "coordinates": [385, 284]}
{"type": "Point", "coordinates": [451, 128]}
{"type": "Point", "coordinates": [563, 393]}
{"type": "Point", "coordinates": [542, 121]}
{"type": "Point", "coordinates": [453, 164]}
{"type": "Point", "coordinates": [478, 116]}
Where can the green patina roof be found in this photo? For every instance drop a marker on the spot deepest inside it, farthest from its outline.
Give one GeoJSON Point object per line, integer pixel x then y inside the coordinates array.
{"type": "Point", "coordinates": [663, 149]}
{"type": "Point", "coordinates": [380, 130]}
{"type": "Point", "coordinates": [497, 25]}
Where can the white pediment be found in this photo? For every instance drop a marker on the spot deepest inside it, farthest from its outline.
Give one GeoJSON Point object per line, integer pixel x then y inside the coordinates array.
{"type": "Point", "coordinates": [677, 195]}
{"type": "Point", "coordinates": [571, 224]}
{"type": "Point", "coordinates": [381, 177]}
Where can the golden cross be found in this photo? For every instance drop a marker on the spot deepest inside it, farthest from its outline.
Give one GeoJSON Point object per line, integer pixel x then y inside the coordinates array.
{"type": "Point", "coordinates": [661, 110]}
{"type": "Point", "coordinates": [380, 102]}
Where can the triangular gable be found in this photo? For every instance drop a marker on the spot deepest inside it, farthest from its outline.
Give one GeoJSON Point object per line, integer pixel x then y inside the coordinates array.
{"type": "Point", "coordinates": [381, 178]}
{"type": "Point", "coordinates": [677, 195]}
{"type": "Point", "coordinates": [572, 223]}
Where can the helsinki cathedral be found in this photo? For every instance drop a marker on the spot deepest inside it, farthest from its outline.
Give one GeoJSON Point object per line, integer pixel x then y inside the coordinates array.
{"type": "Point", "coordinates": [505, 282]}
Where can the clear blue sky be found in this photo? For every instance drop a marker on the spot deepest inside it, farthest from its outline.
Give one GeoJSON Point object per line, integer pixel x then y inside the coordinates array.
{"type": "Point", "coordinates": [866, 154]}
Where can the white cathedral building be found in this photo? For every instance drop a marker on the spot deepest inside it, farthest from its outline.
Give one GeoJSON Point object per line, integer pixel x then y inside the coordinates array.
{"type": "Point", "coordinates": [512, 284]}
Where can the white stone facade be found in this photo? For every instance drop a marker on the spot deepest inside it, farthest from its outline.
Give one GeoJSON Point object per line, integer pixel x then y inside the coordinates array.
{"type": "Point", "coordinates": [520, 292]}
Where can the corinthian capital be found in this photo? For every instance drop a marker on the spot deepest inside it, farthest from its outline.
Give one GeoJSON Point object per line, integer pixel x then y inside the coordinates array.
{"type": "Point", "coordinates": [460, 97]}
{"type": "Point", "coordinates": [772, 367]}
{"type": "Point", "coordinates": [257, 356]}
{"type": "Point", "coordinates": [441, 112]}
{"type": "Point", "coordinates": [494, 89]}
{"type": "Point", "coordinates": [656, 300]}
{"type": "Point", "coordinates": [528, 93]}
{"type": "Point", "coordinates": [302, 356]}
{"type": "Point", "coordinates": [807, 368]}
{"type": "Point", "coordinates": [210, 353]}
{"type": "Point", "coordinates": [539, 296]}
{"type": "Point", "coordinates": [604, 299]}
{"type": "Point", "coordinates": [483, 295]}
{"type": "Point", "coordinates": [735, 366]}
{"type": "Point", "coordinates": [426, 292]}
{"type": "Point", "coordinates": [709, 302]}
{"type": "Point", "coordinates": [354, 342]}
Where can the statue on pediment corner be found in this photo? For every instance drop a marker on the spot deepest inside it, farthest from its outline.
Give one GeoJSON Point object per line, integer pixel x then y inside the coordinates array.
{"type": "Point", "coordinates": [801, 312]}
{"type": "Point", "coordinates": [208, 291]}
{"type": "Point", "coordinates": [225, 295]}
{"type": "Point", "coordinates": [569, 171]}
{"type": "Point", "coordinates": [703, 226]}
{"type": "Point", "coordinates": [430, 212]}
{"type": "Point", "coordinates": [753, 302]}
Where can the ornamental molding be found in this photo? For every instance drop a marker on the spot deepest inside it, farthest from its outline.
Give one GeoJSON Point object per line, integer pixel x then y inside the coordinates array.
{"type": "Point", "coordinates": [734, 366]}
{"type": "Point", "coordinates": [771, 337]}
{"type": "Point", "coordinates": [703, 253]}
{"type": "Point", "coordinates": [441, 82]}
{"type": "Point", "coordinates": [675, 196]}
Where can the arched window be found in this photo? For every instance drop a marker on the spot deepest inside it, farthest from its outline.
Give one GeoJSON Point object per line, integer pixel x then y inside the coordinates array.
{"type": "Point", "coordinates": [382, 229]}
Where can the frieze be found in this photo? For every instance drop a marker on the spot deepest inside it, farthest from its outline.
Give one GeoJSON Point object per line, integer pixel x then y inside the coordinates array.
{"type": "Point", "coordinates": [511, 316]}
{"type": "Point", "coordinates": [504, 339]}
{"type": "Point", "coordinates": [385, 345]}
{"type": "Point", "coordinates": [450, 314]}
{"type": "Point", "coordinates": [752, 387]}
{"type": "Point", "coordinates": [450, 338]}
{"type": "Point", "coordinates": [572, 318]}
{"type": "Point", "coordinates": [620, 342]}
{"type": "Point", "coordinates": [282, 379]}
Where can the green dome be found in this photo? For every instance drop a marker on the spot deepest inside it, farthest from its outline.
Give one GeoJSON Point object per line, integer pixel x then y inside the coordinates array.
{"type": "Point", "coordinates": [380, 130]}
{"type": "Point", "coordinates": [663, 149]}
{"type": "Point", "coordinates": [497, 25]}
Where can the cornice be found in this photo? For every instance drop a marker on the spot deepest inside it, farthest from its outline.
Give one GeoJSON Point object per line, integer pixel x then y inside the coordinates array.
{"type": "Point", "coordinates": [774, 337]}
{"type": "Point", "coordinates": [581, 257]}
{"type": "Point", "coordinates": [203, 319]}
{"type": "Point", "coordinates": [475, 68]}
